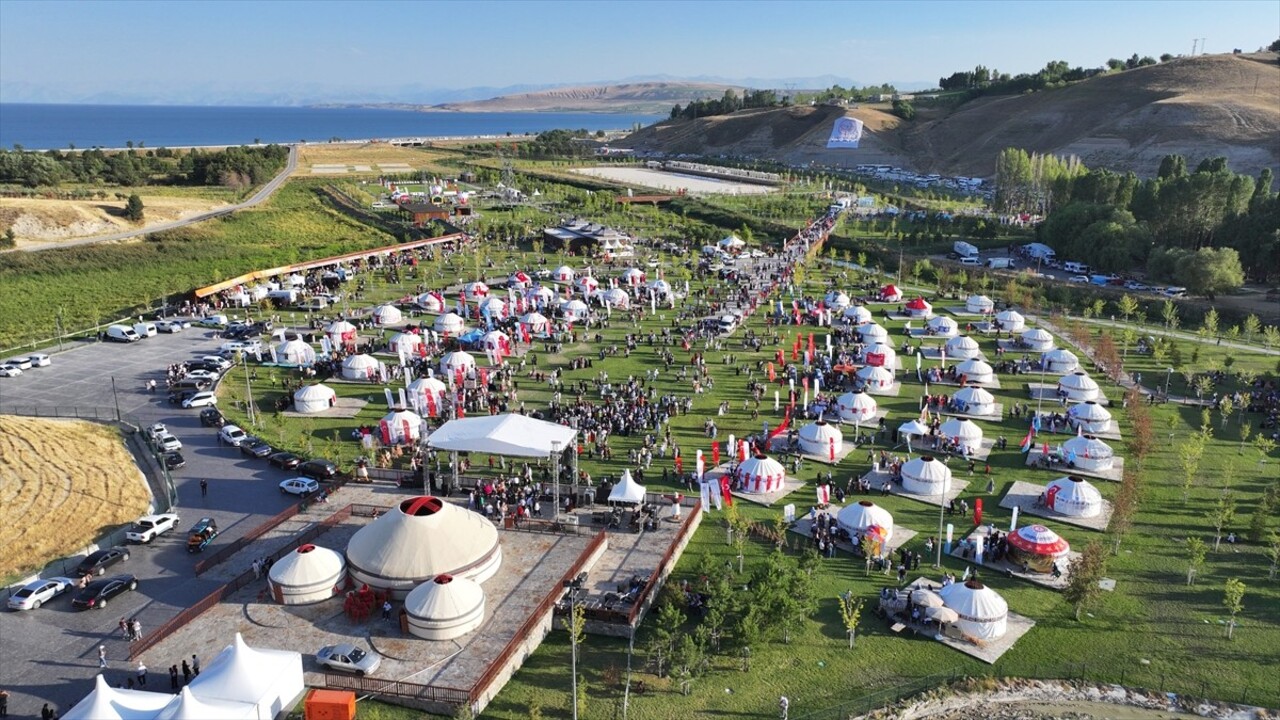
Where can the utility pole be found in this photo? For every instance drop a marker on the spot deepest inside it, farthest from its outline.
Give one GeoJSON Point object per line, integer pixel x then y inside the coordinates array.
{"type": "Point", "coordinates": [1194, 42]}
{"type": "Point", "coordinates": [1202, 45]}
{"type": "Point", "coordinates": [116, 397]}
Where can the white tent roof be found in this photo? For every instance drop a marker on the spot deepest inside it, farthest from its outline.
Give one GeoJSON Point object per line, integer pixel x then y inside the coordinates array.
{"type": "Point", "coordinates": [314, 393]}
{"type": "Point", "coordinates": [359, 362]}
{"type": "Point", "coordinates": [564, 272]}
{"type": "Point", "coordinates": [408, 341]}
{"type": "Point", "coordinates": [762, 465]}
{"type": "Point", "coordinates": [387, 314]}
{"type": "Point", "coordinates": [1089, 411]}
{"type": "Point", "coordinates": [187, 706]}
{"type": "Point", "coordinates": [445, 598]}
{"type": "Point", "coordinates": [502, 435]}
{"type": "Point", "coordinates": [982, 612]}
{"type": "Point", "coordinates": [926, 469]}
{"type": "Point", "coordinates": [962, 345]}
{"type": "Point", "coordinates": [495, 304]}
{"type": "Point", "coordinates": [872, 373]}
{"type": "Point", "coordinates": [859, 314]}
{"type": "Point", "coordinates": [535, 319]}
{"type": "Point", "coordinates": [837, 299]}
{"type": "Point", "coordinates": [821, 432]}
{"type": "Point", "coordinates": [1076, 496]}
{"type": "Point", "coordinates": [1078, 381]}
{"type": "Point", "coordinates": [627, 490]}
{"type": "Point", "coordinates": [974, 396]}
{"type": "Point", "coordinates": [1010, 317]}
{"type": "Point", "coordinates": [975, 303]}
{"type": "Point", "coordinates": [857, 401]}
{"type": "Point", "coordinates": [617, 296]}
{"type": "Point", "coordinates": [421, 538]}
{"type": "Point", "coordinates": [339, 327]}
{"type": "Point", "coordinates": [296, 351]}
{"type": "Point", "coordinates": [913, 427]}
{"type": "Point", "coordinates": [307, 565]}
{"type": "Point", "coordinates": [890, 355]}
{"type": "Point", "coordinates": [540, 292]}
{"type": "Point", "coordinates": [862, 515]}
{"type": "Point", "coordinates": [451, 361]}
{"type": "Point", "coordinates": [872, 330]}
{"type": "Point", "coordinates": [430, 302]}
{"type": "Point", "coordinates": [244, 674]}
{"type": "Point", "coordinates": [660, 286]}
{"type": "Point", "coordinates": [732, 241]}
{"type": "Point", "coordinates": [974, 368]}
{"type": "Point", "coordinates": [448, 322]}
{"type": "Point", "coordinates": [962, 428]}
{"type": "Point", "coordinates": [943, 325]}
{"type": "Point", "coordinates": [1088, 446]}
{"type": "Point", "coordinates": [574, 306]}
{"type": "Point", "coordinates": [1060, 356]}
{"type": "Point", "coordinates": [1037, 335]}
{"type": "Point", "coordinates": [107, 703]}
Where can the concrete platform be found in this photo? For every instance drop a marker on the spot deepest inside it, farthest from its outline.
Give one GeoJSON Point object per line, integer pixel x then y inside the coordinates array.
{"type": "Point", "coordinates": [1008, 569]}
{"type": "Point", "coordinates": [344, 407]}
{"type": "Point", "coordinates": [998, 416]}
{"type": "Point", "coordinates": [1049, 393]}
{"type": "Point", "coordinates": [921, 335]}
{"type": "Point", "coordinates": [892, 391]}
{"type": "Point", "coordinates": [876, 478]}
{"type": "Point", "coordinates": [988, 651]}
{"type": "Point", "coordinates": [804, 526]}
{"type": "Point", "coordinates": [993, 385]}
{"type": "Point", "coordinates": [781, 445]}
{"type": "Point", "coordinates": [1013, 345]}
{"type": "Point", "coordinates": [1111, 433]}
{"type": "Point", "coordinates": [789, 485]}
{"type": "Point", "coordinates": [935, 353]}
{"type": "Point", "coordinates": [962, 311]}
{"type": "Point", "coordinates": [905, 317]}
{"type": "Point", "coordinates": [981, 455]}
{"type": "Point", "coordinates": [1115, 474]}
{"type": "Point", "coordinates": [1023, 495]}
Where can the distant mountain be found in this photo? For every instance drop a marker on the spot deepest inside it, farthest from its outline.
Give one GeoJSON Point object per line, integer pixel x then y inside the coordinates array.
{"type": "Point", "coordinates": [647, 97]}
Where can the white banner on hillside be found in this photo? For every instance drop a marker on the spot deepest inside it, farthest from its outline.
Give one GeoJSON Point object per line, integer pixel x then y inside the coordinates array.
{"type": "Point", "coordinates": [845, 133]}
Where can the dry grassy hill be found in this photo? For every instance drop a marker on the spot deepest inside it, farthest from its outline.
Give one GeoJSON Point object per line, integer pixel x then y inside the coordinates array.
{"type": "Point", "coordinates": [651, 97]}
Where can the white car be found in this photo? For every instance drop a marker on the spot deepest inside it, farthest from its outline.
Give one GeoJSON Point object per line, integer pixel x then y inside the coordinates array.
{"type": "Point", "coordinates": [200, 399]}
{"type": "Point", "coordinates": [9, 371]}
{"type": "Point", "coordinates": [757, 253]}
{"type": "Point", "coordinates": [202, 375]}
{"type": "Point", "coordinates": [168, 442]}
{"type": "Point", "coordinates": [170, 326]}
{"type": "Point", "coordinates": [38, 592]}
{"type": "Point", "coordinates": [1078, 278]}
{"type": "Point", "coordinates": [157, 430]}
{"type": "Point", "coordinates": [216, 361]}
{"type": "Point", "coordinates": [149, 527]}
{"type": "Point", "coordinates": [244, 346]}
{"type": "Point", "coordinates": [40, 360]}
{"type": "Point", "coordinates": [299, 486]}
{"type": "Point", "coordinates": [22, 363]}
{"type": "Point", "coordinates": [232, 435]}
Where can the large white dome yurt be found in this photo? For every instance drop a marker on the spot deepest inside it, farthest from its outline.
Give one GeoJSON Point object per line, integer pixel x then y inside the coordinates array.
{"type": "Point", "coordinates": [341, 332]}
{"type": "Point", "coordinates": [387, 315]}
{"type": "Point", "coordinates": [496, 307]}
{"type": "Point", "coordinates": [431, 302]}
{"type": "Point", "coordinates": [616, 297]}
{"type": "Point", "coordinates": [857, 517]}
{"type": "Point", "coordinates": [1011, 321]}
{"type": "Point", "coordinates": [473, 291]}
{"type": "Point", "coordinates": [872, 333]}
{"type": "Point", "coordinates": [535, 323]}
{"type": "Point", "coordinates": [760, 474]}
{"type": "Point", "coordinates": [313, 398]}
{"type": "Point", "coordinates": [876, 378]}
{"type": "Point", "coordinates": [983, 614]}
{"type": "Point", "coordinates": [574, 310]}
{"type": "Point", "coordinates": [837, 300]}
{"type": "Point", "coordinates": [1073, 496]}
{"type": "Point", "coordinates": [821, 438]}
{"type": "Point", "coordinates": [889, 356]}
{"type": "Point", "coordinates": [661, 288]}
{"type": "Point", "coordinates": [400, 427]}
{"type": "Point", "coordinates": [919, 308]}
{"type": "Point", "coordinates": [426, 394]}
{"type": "Point", "coordinates": [421, 538]}
{"type": "Point", "coordinates": [942, 326]}
{"type": "Point", "coordinates": [926, 475]}
{"type": "Point", "coordinates": [564, 274]}
{"type": "Point", "coordinates": [1059, 360]}
{"type": "Point", "coordinates": [1036, 547]}
{"type": "Point", "coordinates": [857, 407]}
{"type": "Point", "coordinates": [453, 362]}
{"type": "Point", "coordinates": [404, 342]}
{"type": "Point", "coordinates": [519, 280]}
{"type": "Point", "coordinates": [540, 295]}
{"type": "Point", "coordinates": [980, 304]}
{"type": "Point", "coordinates": [976, 371]}
{"type": "Point", "coordinates": [1087, 452]}
{"type": "Point", "coordinates": [965, 432]}
{"type": "Point", "coordinates": [496, 342]}
{"type": "Point", "coordinates": [360, 367]}
{"type": "Point", "coordinates": [1090, 417]}
{"type": "Point", "coordinates": [449, 324]}
{"type": "Point", "coordinates": [962, 347]}
{"type": "Point", "coordinates": [857, 314]}
{"type": "Point", "coordinates": [634, 277]}
{"type": "Point", "coordinates": [1037, 340]}
{"type": "Point", "coordinates": [307, 575]}
{"type": "Point", "coordinates": [295, 352]}
{"type": "Point", "coordinates": [1078, 387]}
{"type": "Point", "coordinates": [586, 285]}
{"type": "Point", "coordinates": [445, 607]}
{"type": "Point", "coordinates": [973, 400]}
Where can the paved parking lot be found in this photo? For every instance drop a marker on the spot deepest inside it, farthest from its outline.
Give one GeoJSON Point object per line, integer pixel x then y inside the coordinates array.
{"type": "Point", "coordinates": [50, 655]}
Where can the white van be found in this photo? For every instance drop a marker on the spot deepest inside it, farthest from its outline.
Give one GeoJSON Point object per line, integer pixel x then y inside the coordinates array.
{"type": "Point", "coordinates": [1072, 266]}
{"type": "Point", "coordinates": [121, 333]}
{"type": "Point", "coordinates": [145, 329]}
{"type": "Point", "coordinates": [973, 261]}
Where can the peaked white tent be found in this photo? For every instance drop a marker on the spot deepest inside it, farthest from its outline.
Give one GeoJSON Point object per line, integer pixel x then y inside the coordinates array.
{"type": "Point", "coordinates": [926, 476]}
{"type": "Point", "coordinates": [270, 680]}
{"type": "Point", "coordinates": [1011, 321]}
{"type": "Point", "coordinates": [1059, 360]}
{"type": "Point", "coordinates": [473, 291]}
{"type": "Point", "coordinates": [983, 614]}
{"type": "Point", "coordinates": [913, 427]}
{"type": "Point", "coordinates": [540, 294]}
{"type": "Point", "coordinates": [431, 302]}
{"type": "Point", "coordinates": [307, 575]}
{"type": "Point", "coordinates": [962, 347]}
{"type": "Point", "coordinates": [943, 326]}
{"type": "Point", "coordinates": [495, 305]}
{"type": "Point", "coordinates": [856, 407]}
{"type": "Point", "coordinates": [426, 395]}
{"type": "Point", "coordinates": [1089, 453]}
{"type": "Point", "coordinates": [979, 304]}
{"type": "Point", "coordinates": [857, 517]}
{"type": "Point", "coordinates": [872, 333]}
{"type": "Point", "coordinates": [586, 285]}
{"type": "Point", "coordinates": [449, 324]}
{"type": "Point", "coordinates": [975, 401]}
{"type": "Point", "coordinates": [535, 323]}
{"type": "Point", "coordinates": [564, 274]}
{"type": "Point", "coordinates": [574, 310]}
{"type": "Point", "coordinates": [733, 243]}
{"type": "Point", "coordinates": [634, 277]}
{"type": "Point", "coordinates": [616, 297]}
{"type": "Point", "coordinates": [107, 703]}
{"type": "Point", "coordinates": [965, 432]}
{"type": "Point", "coordinates": [976, 371]}
{"type": "Point", "coordinates": [821, 438]}
{"type": "Point", "coordinates": [387, 315]}
{"type": "Point", "coordinates": [627, 490]}
{"type": "Point", "coordinates": [1037, 340]}
{"type": "Point", "coordinates": [1090, 417]}
{"type": "Point", "coordinates": [1073, 496]}
{"type": "Point", "coordinates": [189, 706]}
{"type": "Point", "coordinates": [1079, 386]}
{"type": "Point", "coordinates": [876, 378]}
{"type": "Point", "coordinates": [445, 607]}
{"type": "Point", "coordinates": [360, 367]}
{"type": "Point", "coordinates": [661, 288]}
{"type": "Point", "coordinates": [295, 352]}
{"type": "Point", "coordinates": [507, 434]}
{"type": "Point", "coordinates": [314, 398]}
{"type": "Point", "coordinates": [919, 308]}
{"type": "Point", "coordinates": [883, 354]}
{"type": "Point", "coordinates": [340, 332]}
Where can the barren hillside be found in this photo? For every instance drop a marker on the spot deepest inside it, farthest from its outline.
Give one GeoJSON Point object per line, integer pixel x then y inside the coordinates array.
{"type": "Point", "coordinates": [654, 97]}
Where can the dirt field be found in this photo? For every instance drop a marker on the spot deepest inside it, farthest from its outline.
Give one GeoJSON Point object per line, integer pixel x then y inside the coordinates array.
{"type": "Point", "coordinates": [361, 158]}
{"type": "Point", "coordinates": [71, 478]}
{"type": "Point", "coordinates": [693, 184]}
{"type": "Point", "coordinates": [42, 221]}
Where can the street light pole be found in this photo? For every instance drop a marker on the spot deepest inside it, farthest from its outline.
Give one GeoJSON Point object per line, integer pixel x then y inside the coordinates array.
{"type": "Point", "coordinates": [942, 503]}
{"type": "Point", "coordinates": [244, 362]}
{"type": "Point", "coordinates": [1168, 375]}
{"type": "Point", "coordinates": [555, 479]}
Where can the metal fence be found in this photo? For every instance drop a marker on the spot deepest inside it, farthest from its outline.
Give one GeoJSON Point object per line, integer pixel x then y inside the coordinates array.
{"type": "Point", "coordinates": [396, 688]}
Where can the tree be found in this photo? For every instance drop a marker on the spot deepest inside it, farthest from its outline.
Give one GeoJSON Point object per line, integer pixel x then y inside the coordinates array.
{"type": "Point", "coordinates": [1233, 601]}
{"type": "Point", "coordinates": [1211, 271]}
{"type": "Point", "coordinates": [1221, 515]}
{"type": "Point", "coordinates": [1169, 313]}
{"type": "Point", "coordinates": [1190, 452]}
{"type": "Point", "coordinates": [1274, 47]}
{"type": "Point", "coordinates": [850, 614]}
{"type": "Point", "coordinates": [662, 642]}
{"type": "Point", "coordinates": [904, 109]}
{"type": "Point", "coordinates": [1123, 508]}
{"type": "Point", "coordinates": [1273, 554]}
{"type": "Point", "coordinates": [1196, 552]}
{"type": "Point", "coordinates": [576, 623]}
{"type": "Point", "coordinates": [1251, 326]}
{"type": "Point", "coordinates": [1262, 514]}
{"type": "Point", "coordinates": [10, 238]}
{"type": "Point", "coordinates": [133, 208]}
{"type": "Point", "coordinates": [1085, 571]}
{"type": "Point", "coordinates": [1209, 326]}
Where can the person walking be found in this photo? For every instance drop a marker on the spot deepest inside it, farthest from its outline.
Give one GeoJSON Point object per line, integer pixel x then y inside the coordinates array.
{"type": "Point", "coordinates": [46, 712]}
{"type": "Point", "coordinates": [186, 672]}
{"type": "Point", "coordinates": [386, 610]}
{"type": "Point", "coordinates": [784, 706]}
{"type": "Point", "coordinates": [173, 678]}
{"type": "Point", "coordinates": [195, 665]}
{"type": "Point", "coordinates": [4, 703]}
{"type": "Point", "coordinates": [102, 656]}
{"type": "Point", "coordinates": [204, 487]}
{"type": "Point", "coordinates": [124, 628]}
{"type": "Point", "coordinates": [142, 674]}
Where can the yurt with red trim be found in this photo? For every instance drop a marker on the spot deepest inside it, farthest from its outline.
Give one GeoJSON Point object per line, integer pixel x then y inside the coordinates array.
{"type": "Point", "coordinates": [634, 277]}
{"type": "Point", "coordinates": [890, 293]}
{"type": "Point", "coordinates": [962, 347]}
{"type": "Point", "coordinates": [540, 294]}
{"type": "Point", "coordinates": [761, 474]}
{"type": "Point", "coordinates": [387, 315]}
{"type": "Point", "coordinates": [881, 355]}
{"type": "Point", "coordinates": [661, 288]}
{"type": "Point", "coordinates": [821, 438]}
{"type": "Point", "coordinates": [616, 297]}
{"type": "Point", "coordinates": [857, 407]}
{"type": "Point", "coordinates": [449, 324]}
{"type": "Point", "coordinates": [405, 342]}
{"type": "Point", "coordinates": [920, 308]}
{"type": "Point", "coordinates": [564, 274]}
{"type": "Point", "coordinates": [982, 613]}
{"type": "Point", "coordinates": [458, 361]}
{"type": "Point", "coordinates": [535, 324]}
{"type": "Point", "coordinates": [574, 310]}
{"type": "Point", "coordinates": [340, 332]}
{"type": "Point", "coordinates": [857, 517]}
{"type": "Point", "coordinates": [309, 574]}
{"type": "Point", "coordinates": [875, 378]}
{"type": "Point", "coordinates": [926, 475]}
{"type": "Point", "coordinates": [475, 291]}
{"type": "Point", "coordinates": [496, 306]}
{"type": "Point", "coordinates": [445, 607]}
{"type": "Point", "coordinates": [1036, 547]}
{"type": "Point", "coordinates": [496, 343]}
{"type": "Point", "coordinates": [360, 367]}
{"type": "Point", "coordinates": [519, 280]}
{"type": "Point", "coordinates": [427, 395]}
{"type": "Point", "coordinates": [400, 427]}
{"type": "Point", "coordinates": [1073, 496]}
{"type": "Point", "coordinates": [430, 302]}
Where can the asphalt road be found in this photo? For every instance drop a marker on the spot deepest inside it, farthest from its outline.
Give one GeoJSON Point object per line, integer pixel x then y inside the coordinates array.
{"type": "Point", "coordinates": [262, 194]}
{"type": "Point", "coordinates": [50, 654]}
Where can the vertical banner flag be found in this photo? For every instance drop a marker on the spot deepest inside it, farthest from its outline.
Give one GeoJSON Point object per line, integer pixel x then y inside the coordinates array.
{"type": "Point", "coordinates": [977, 511]}
{"type": "Point", "coordinates": [715, 453]}
{"type": "Point", "coordinates": [846, 133]}
{"type": "Point", "coordinates": [701, 467]}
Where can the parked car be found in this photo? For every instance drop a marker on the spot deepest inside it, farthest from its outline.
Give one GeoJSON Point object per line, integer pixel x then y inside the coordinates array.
{"type": "Point", "coordinates": [202, 374]}
{"type": "Point", "coordinates": [1078, 279]}
{"type": "Point", "coordinates": [38, 592]}
{"type": "Point", "coordinates": [40, 360]}
{"type": "Point", "coordinates": [180, 397]}
{"type": "Point", "coordinates": [98, 562]}
{"type": "Point", "coordinates": [169, 443]}
{"type": "Point", "coordinates": [284, 460]}
{"type": "Point", "coordinates": [201, 534]}
{"type": "Point", "coordinates": [22, 363]}
{"type": "Point", "coordinates": [7, 371]}
{"type": "Point", "coordinates": [318, 470]}
{"type": "Point", "coordinates": [213, 321]}
{"type": "Point", "coordinates": [215, 363]}
{"type": "Point", "coordinates": [200, 399]}
{"type": "Point", "coordinates": [170, 326]}
{"type": "Point", "coordinates": [156, 430]}
{"type": "Point", "coordinates": [232, 435]}
{"type": "Point", "coordinates": [243, 346]}
{"type": "Point", "coordinates": [97, 593]}
{"type": "Point", "coordinates": [211, 417]}
{"type": "Point", "coordinates": [174, 460]}
{"type": "Point", "coordinates": [348, 657]}
{"type": "Point", "coordinates": [299, 486]}
{"type": "Point", "coordinates": [255, 447]}
{"type": "Point", "coordinates": [149, 527]}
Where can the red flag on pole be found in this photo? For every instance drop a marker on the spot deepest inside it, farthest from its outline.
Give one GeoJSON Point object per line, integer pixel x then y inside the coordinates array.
{"type": "Point", "coordinates": [772, 374]}
{"type": "Point", "coordinates": [782, 427]}
{"type": "Point", "coordinates": [832, 446]}
{"type": "Point", "coordinates": [725, 491]}
{"type": "Point", "coordinates": [715, 452]}
{"type": "Point", "coordinates": [977, 511]}
{"type": "Point", "coordinates": [811, 344]}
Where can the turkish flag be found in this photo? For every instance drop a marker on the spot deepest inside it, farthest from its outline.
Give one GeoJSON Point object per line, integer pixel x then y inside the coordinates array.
{"type": "Point", "coordinates": [724, 489]}
{"type": "Point", "coordinates": [715, 453]}
{"type": "Point", "coordinates": [876, 359]}
{"type": "Point", "coordinates": [1052, 496]}
{"type": "Point", "coordinates": [977, 511]}
{"type": "Point", "coordinates": [832, 447]}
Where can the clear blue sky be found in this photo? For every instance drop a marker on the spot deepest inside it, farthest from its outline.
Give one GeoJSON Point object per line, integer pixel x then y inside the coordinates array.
{"type": "Point", "coordinates": [188, 51]}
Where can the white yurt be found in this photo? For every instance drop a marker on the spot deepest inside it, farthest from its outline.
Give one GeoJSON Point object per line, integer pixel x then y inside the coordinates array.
{"type": "Point", "coordinates": [634, 277]}
{"type": "Point", "coordinates": [942, 326]}
{"type": "Point", "coordinates": [307, 575]}
{"type": "Point", "coordinates": [837, 300]}
{"type": "Point", "coordinates": [660, 288]}
{"type": "Point", "coordinates": [496, 341]}
{"type": "Point", "coordinates": [445, 607]}
{"type": "Point", "coordinates": [458, 360]}
{"type": "Point", "coordinates": [964, 431]}
{"type": "Point", "coordinates": [540, 294]}
{"type": "Point", "coordinates": [360, 367]}
{"type": "Point", "coordinates": [890, 293]}
{"type": "Point", "coordinates": [857, 314]}
{"type": "Point", "coordinates": [421, 538]}
{"type": "Point", "coordinates": [974, 400]}
{"type": "Point", "coordinates": [876, 378]}
{"type": "Point", "coordinates": [872, 333]}
{"type": "Point", "coordinates": [962, 347]}
{"type": "Point", "coordinates": [1078, 386]}
{"type": "Point", "coordinates": [983, 614]}
{"type": "Point", "coordinates": [564, 274]}
{"type": "Point", "coordinates": [1073, 496]}
{"type": "Point", "coordinates": [535, 323]}
{"type": "Point", "coordinates": [1090, 417]}
{"type": "Point", "coordinates": [341, 332]}
{"type": "Point", "coordinates": [431, 302]}
{"type": "Point", "coordinates": [1011, 321]}
{"type": "Point", "coordinates": [586, 285]}
{"type": "Point", "coordinates": [475, 291]}
{"type": "Point", "coordinates": [760, 474]}
{"type": "Point", "coordinates": [313, 398]}
{"type": "Point", "coordinates": [404, 342]}
{"type": "Point", "coordinates": [616, 297]}
{"type": "Point", "coordinates": [857, 517]}
{"type": "Point", "coordinates": [427, 395]}
{"type": "Point", "coordinates": [980, 304]}
{"type": "Point", "coordinates": [519, 280]}
{"type": "Point", "coordinates": [1059, 360]}
{"type": "Point", "coordinates": [919, 308]}
{"type": "Point", "coordinates": [495, 305]}
{"type": "Point", "coordinates": [400, 427]}
{"type": "Point", "coordinates": [857, 407]}
{"type": "Point", "coordinates": [387, 315]}
{"type": "Point", "coordinates": [976, 371]}
{"type": "Point", "coordinates": [889, 356]}
{"type": "Point", "coordinates": [1037, 340]}
{"type": "Point", "coordinates": [295, 352]}
{"type": "Point", "coordinates": [926, 475]}
{"type": "Point", "coordinates": [1087, 452]}
{"type": "Point", "coordinates": [821, 438]}
{"type": "Point", "coordinates": [449, 324]}
{"type": "Point", "coordinates": [1036, 547]}
{"type": "Point", "coordinates": [574, 310]}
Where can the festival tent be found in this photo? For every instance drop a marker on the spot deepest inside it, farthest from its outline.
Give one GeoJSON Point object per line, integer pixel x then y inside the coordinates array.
{"type": "Point", "coordinates": [634, 277]}
{"type": "Point", "coordinates": [449, 324]}
{"type": "Point", "coordinates": [402, 342]}
{"type": "Point", "coordinates": [616, 297]}
{"type": "Point", "coordinates": [295, 280]}
{"type": "Point", "coordinates": [1059, 360]}
{"type": "Point", "coordinates": [107, 703]}
{"type": "Point", "coordinates": [519, 280]}
{"type": "Point", "coordinates": [574, 310]}
{"type": "Point", "coordinates": [400, 427]}
{"type": "Point", "coordinates": [1088, 453]}
{"type": "Point", "coordinates": [821, 438]}
{"type": "Point", "coordinates": [295, 352]}
{"type": "Point", "coordinates": [535, 323]}
{"type": "Point", "coordinates": [926, 476]}
{"type": "Point", "coordinates": [1079, 386]}
{"type": "Point", "coordinates": [857, 314]}
{"type": "Point", "coordinates": [627, 490]}
{"type": "Point", "coordinates": [586, 285]}
{"type": "Point", "coordinates": [881, 354]}
{"type": "Point", "coordinates": [188, 706]}
{"type": "Point", "coordinates": [506, 434]}
{"type": "Point", "coordinates": [419, 539]}
{"type": "Point", "coordinates": [471, 338]}
{"type": "Point", "coordinates": [761, 474]}
{"type": "Point", "coordinates": [962, 347]}
{"type": "Point", "coordinates": [1011, 321]}
{"type": "Point", "coordinates": [1073, 496]}
{"type": "Point", "coordinates": [857, 517]}
{"type": "Point", "coordinates": [890, 293]}
{"type": "Point", "coordinates": [473, 291]}
{"type": "Point", "coordinates": [732, 244]}
{"type": "Point", "coordinates": [341, 332]}
{"type": "Point", "coordinates": [360, 367]}
{"type": "Point", "coordinates": [540, 294]}
{"type": "Point", "coordinates": [974, 400]}
{"type": "Point", "coordinates": [1035, 547]}
{"type": "Point", "coordinates": [307, 575]}
{"type": "Point", "coordinates": [837, 300]}
{"type": "Point", "coordinates": [872, 333]}
{"type": "Point", "coordinates": [426, 395]}
{"type": "Point", "coordinates": [965, 432]}
{"type": "Point", "coordinates": [495, 342]}
{"type": "Point", "coordinates": [270, 680]}
{"type": "Point", "coordinates": [913, 427]}
{"type": "Point", "coordinates": [495, 305]}
{"type": "Point", "coordinates": [943, 326]}
{"type": "Point", "coordinates": [316, 398]}
{"type": "Point", "coordinates": [980, 304]}
{"type": "Point", "coordinates": [452, 362]}
{"type": "Point", "coordinates": [445, 607]}
{"type": "Point", "coordinates": [875, 377]}
{"type": "Point", "coordinates": [919, 308]}
{"type": "Point", "coordinates": [1037, 340]}
{"type": "Point", "coordinates": [981, 613]}
{"type": "Point", "coordinates": [976, 371]}
{"type": "Point", "coordinates": [387, 315]}
{"type": "Point", "coordinates": [431, 302]}
{"type": "Point", "coordinates": [564, 274]}
{"type": "Point", "coordinates": [1090, 417]}
{"type": "Point", "coordinates": [856, 407]}
{"type": "Point", "coordinates": [660, 288]}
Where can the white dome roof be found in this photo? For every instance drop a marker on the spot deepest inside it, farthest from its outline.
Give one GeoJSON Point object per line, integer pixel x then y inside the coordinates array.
{"type": "Point", "coordinates": [617, 297]}
{"type": "Point", "coordinates": [858, 314]}
{"type": "Point", "coordinates": [633, 275]}
{"type": "Point", "coordinates": [926, 476]}
{"type": "Point", "coordinates": [564, 273]}
{"type": "Point", "coordinates": [402, 426]}
{"type": "Point", "coordinates": [1088, 446]}
{"type": "Point", "coordinates": [574, 308]}
{"type": "Point", "coordinates": [1011, 318]}
{"type": "Point", "coordinates": [943, 325]}
{"type": "Point", "coordinates": [1060, 358]}
{"type": "Point", "coordinates": [975, 370]}
{"type": "Point", "coordinates": [426, 384]}
{"type": "Point", "coordinates": [475, 290]}
{"type": "Point", "coordinates": [890, 355]}
{"type": "Point", "coordinates": [856, 407]}
{"type": "Point", "coordinates": [660, 287]}
{"type": "Point", "coordinates": [821, 433]}
{"type": "Point", "coordinates": [312, 393]}
{"type": "Point", "coordinates": [872, 332]}
{"type": "Point", "coordinates": [962, 429]}
{"type": "Point", "coordinates": [983, 613]}
{"type": "Point", "coordinates": [1079, 386]}
{"type": "Point", "coordinates": [451, 361]}
{"type": "Point", "coordinates": [445, 607]}
{"type": "Point", "coordinates": [761, 465]}
{"type": "Point", "coordinates": [495, 304]}
{"type": "Point", "coordinates": [408, 341]}
{"type": "Point", "coordinates": [875, 375]}
{"type": "Point", "coordinates": [962, 347]}
{"type": "Point", "coordinates": [979, 303]}
{"type": "Point", "coordinates": [837, 299]}
{"type": "Point", "coordinates": [339, 327]}
{"type": "Point", "coordinates": [1037, 339]}
{"type": "Point", "coordinates": [359, 367]}
{"type": "Point", "coordinates": [534, 318]}
{"type": "Point", "coordinates": [296, 352]}
{"type": "Point", "coordinates": [387, 314]}
{"type": "Point", "coordinates": [449, 323]}
{"type": "Point", "coordinates": [862, 515]}
{"type": "Point", "coordinates": [974, 396]}
{"type": "Point", "coordinates": [1089, 411]}
{"type": "Point", "coordinates": [1076, 497]}
{"type": "Point", "coordinates": [430, 302]}
{"type": "Point", "coordinates": [307, 567]}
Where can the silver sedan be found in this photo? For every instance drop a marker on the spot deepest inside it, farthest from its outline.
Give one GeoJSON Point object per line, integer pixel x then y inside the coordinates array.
{"type": "Point", "coordinates": [348, 657]}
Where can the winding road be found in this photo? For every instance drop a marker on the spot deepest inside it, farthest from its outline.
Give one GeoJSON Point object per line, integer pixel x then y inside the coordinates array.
{"type": "Point", "coordinates": [263, 193]}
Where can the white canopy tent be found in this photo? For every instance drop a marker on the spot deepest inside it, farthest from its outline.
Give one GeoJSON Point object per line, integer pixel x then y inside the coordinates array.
{"type": "Point", "coordinates": [508, 434]}
{"type": "Point", "coordinates": [634, 277]}
{"type": "Point", "coordinates": [107, 703]}
{"type": "Point", "coordinates": [270, 680]}
{"type": "Point", "coordinates": [627, 490]}
{"type": "Point", "coordinates": [913, 427]}
{"type": "Point", "coordinates": [732, 243]}
{"type": "Point", "coordinates": [496, 307]}
{"type": "Point", "coordinates": [189, 706]}
{"type": "Point", "coordinates": [661, 288]}
{"type": "Point", "coordinates": [616, 297]}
